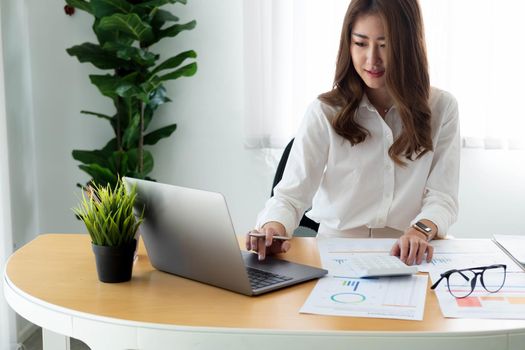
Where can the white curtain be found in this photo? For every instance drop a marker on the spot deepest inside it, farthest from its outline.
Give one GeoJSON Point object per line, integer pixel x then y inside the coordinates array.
{"type": "Point", "coordinates": [290, 48]}
{"type": "Point", "coordinates": [475, 52]}
{"type": "Point", "coordinates": [7, 317]}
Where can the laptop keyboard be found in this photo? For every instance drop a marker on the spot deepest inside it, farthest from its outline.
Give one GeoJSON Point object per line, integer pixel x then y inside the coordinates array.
{"type": "Point", "coordinates": [260, 279]}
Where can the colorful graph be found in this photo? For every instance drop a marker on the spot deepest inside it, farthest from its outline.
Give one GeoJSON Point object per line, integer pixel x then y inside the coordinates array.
{"type": "Point", "coordinates": [441, 261]}
{"type": "Point", "coordinates": [351, 283]}
{"type": "Point", "coordinates": [340, 261]}
{"type": "Point", "coordinates": [348, 298]}
{"type": "Point", "coordinates": [479, 301]}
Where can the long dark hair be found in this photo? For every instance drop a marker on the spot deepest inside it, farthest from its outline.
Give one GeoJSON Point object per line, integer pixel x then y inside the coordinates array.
{"type": "Point", "coordinates": [407, 79]}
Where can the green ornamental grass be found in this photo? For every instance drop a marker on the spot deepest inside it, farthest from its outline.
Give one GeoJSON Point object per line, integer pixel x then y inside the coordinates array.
{"type": "Point", "coordinates": [108, 214]}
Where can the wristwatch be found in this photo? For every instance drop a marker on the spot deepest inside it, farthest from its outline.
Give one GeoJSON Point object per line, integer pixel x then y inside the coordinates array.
{"type": "Point", "coordinates": [424, 229]}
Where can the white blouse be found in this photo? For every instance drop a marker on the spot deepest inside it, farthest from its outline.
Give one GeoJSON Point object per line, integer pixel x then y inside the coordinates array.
{"type": "Point", "coordinates": [350, 187]}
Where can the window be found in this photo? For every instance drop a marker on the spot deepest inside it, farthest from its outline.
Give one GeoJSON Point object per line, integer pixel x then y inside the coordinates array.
{"type": "Point", "coordinates": [474, 49]}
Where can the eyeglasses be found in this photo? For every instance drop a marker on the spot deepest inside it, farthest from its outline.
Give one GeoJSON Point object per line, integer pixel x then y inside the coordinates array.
{"type": "Point", "coordinates": [461, 283]}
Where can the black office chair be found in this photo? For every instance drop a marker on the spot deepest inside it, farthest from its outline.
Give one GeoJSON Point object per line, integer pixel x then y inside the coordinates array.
{"type": "Point", "coordinates": [305, 221]}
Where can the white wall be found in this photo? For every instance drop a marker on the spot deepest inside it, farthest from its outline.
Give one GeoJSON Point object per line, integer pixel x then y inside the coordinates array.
{"type": "Point", "coordinates": [491, 193]}
{"type": "Point", "coordinates": [205, 152]}
{"type": "Point", "coordinates": [8, 338]}
{"type": "Point", "coordinates": [47, 89]}
{"type": "Point", "coordinates": [20, 123]}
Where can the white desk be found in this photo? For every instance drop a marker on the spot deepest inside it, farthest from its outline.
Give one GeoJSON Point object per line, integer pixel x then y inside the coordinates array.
{"type": "Point", "coordinates": [52, 282]}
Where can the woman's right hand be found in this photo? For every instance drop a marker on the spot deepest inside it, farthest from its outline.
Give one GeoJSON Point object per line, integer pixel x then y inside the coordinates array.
{"type": "Point", "coordinates": [267, 244]}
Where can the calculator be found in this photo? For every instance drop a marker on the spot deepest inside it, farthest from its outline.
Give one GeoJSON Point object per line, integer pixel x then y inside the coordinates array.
{"type": "Point", "coordinates": [376, 265]}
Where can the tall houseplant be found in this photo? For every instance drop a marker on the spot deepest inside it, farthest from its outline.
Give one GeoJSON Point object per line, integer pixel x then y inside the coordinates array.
{"type": "Point", "coordinates": [125, 31]}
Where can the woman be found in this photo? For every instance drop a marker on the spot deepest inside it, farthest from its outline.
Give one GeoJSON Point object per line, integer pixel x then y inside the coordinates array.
{"type": "Point", "coordinates": [378, 155]}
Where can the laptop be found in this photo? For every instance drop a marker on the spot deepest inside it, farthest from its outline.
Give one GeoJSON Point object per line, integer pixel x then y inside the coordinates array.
{"type": "Point", "coordinates": [189, 233]}
{"type": "Point", "coordinates": [513, 246]}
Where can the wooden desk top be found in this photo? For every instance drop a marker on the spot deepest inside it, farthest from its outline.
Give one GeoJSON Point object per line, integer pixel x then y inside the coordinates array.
{"type": "Point", "coordinates": [60, 269]}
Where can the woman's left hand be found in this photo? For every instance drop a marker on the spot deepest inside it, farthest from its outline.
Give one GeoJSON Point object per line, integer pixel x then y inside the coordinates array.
{"type": "Point", "coordinates": [411, 247]}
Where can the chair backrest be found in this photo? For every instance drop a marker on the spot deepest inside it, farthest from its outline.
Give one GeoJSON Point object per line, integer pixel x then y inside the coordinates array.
{"type": "Point", "coordinates": [305, 221]}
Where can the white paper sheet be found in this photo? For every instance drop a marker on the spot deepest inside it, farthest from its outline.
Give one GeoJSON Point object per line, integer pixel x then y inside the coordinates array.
{"type": "Point", "coordinates": [334, 251]}
{"type": "Point", "coordinates": [387, 297]}
{"type": "Point", "coordinates": [464, 253]}
{"type": "Point", "coordinates": [515, 245]}
{"type": "Point", "coordinates": [508, 303]}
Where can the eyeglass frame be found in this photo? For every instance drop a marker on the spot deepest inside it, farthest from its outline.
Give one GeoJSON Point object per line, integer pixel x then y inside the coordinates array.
{"type": "Point", "coordinates": [447, 274]}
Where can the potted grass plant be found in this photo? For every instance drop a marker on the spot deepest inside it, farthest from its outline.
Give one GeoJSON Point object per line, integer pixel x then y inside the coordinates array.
{"type": "Point", "coordinates": [108, 215]}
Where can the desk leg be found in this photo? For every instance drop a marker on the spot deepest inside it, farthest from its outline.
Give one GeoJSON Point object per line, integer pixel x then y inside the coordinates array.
{"type": "Point", "coordinates": [54, 341]}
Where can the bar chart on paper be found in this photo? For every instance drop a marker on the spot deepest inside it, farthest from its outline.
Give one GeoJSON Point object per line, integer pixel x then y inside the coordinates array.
{"type": "Point", "coordinates": [391, 297]}
{"type": "Point", "coordinates": [462, 253]}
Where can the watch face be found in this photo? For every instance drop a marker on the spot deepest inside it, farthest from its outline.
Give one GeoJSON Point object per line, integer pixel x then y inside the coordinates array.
{"type": "Point", "coordinates": [423, 227]}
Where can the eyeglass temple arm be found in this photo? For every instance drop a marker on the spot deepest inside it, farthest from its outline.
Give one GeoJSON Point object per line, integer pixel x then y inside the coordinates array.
{"type": "Point", "coordinates": [434, 286]}
{"type": "Point", "coordinates": [446, 274]}
{"type": "Point", "coordinates": [485, 267]}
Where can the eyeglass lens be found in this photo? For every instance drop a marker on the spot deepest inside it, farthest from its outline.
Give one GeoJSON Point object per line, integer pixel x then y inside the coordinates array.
{"type": "Point", "coordinates": [493, 279]}
{"type": "Point", "coordinates": [462, 283]}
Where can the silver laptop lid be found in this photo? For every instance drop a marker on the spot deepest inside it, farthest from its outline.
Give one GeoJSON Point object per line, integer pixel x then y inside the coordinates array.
{"type": "Point", "coordinates": [189, 232]}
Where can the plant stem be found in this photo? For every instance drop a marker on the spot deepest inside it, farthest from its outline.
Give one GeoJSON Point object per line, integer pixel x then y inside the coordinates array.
{"type": "Point", "coordinates": [119, 136]}
{"type": "Point", "coordinates": [141, 139]}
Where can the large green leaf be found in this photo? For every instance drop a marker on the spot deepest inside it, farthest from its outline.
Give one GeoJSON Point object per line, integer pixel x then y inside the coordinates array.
{"type": "Point", "coordinates": [158, 18]}
{"type": "Point", "coordinates": [129, 24]}
{"type": "Point", "coordinates": [94, 54]}
{"type": "Point", "coordinates": [131, 90]}
{"type": "Point", "coordinates": [106, 84]}
{"type": "Point", "coordinates": [148, 115]}
{"type": "Point", "coordinates": [113, 86]}
{"type": "Point", "coordinates": [88, 157]}
{"type": "Point", "coordinates": [100, 115]}
{"type": "Point", "coordinates": [111, 145]}
{"type": "Point", "coordinates": [138, 55]}
{"type": "Point", "coordinates": [133, 160]}
{"type": "Point", "coordinates": [150, 86]}
{"type": "Point", "coordinates": [80, 4]}
{"type": "Point", "coordinates": [174, 62]}
{"type": "Point", "coordinates": [103, 8]}
{"type": "Point", "coordinates": [101, 175]}
{"type": "Point", "coordinates": [159, 3]}
{"type": "Point", "coordinates": [119, 162]}
{"type": "Point", "coordinates": [162, 16]}
{"type": "Point", "coordinates": [125, 108]}
{"type": "Point", "coordinates": [132, 131]}
{"type": "Point", "coordinates": [171, 31]}
{"type": "Point", "coordinates": [108, 36]}
{"type": "Point", "coordinates": [154, 136]}
{"type": "Point", "coordinates": [186, 71]}
{"type": "Point", "coordinates": [148, 162]}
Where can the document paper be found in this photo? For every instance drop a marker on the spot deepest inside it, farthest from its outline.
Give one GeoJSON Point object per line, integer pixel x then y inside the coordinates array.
{"type": "Point", "coordinates": [508, 303]}
{"type": "Point", "coordinates": [514, 245]}
{"type": "Point", "coordinates": [386, 297]}
{"type": "Point", "coordinates": [335, 251]}
{"type": "Point", "coordinates": [464, 253]}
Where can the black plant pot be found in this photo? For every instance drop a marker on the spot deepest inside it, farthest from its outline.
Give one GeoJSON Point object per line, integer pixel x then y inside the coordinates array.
{"type": "Point", "coordinates": [114, 264]}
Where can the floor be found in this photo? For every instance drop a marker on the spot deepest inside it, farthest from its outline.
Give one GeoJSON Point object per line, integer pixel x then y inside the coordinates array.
{"type": "Point", "coordinates": [35, 343]}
